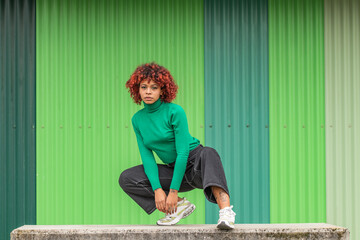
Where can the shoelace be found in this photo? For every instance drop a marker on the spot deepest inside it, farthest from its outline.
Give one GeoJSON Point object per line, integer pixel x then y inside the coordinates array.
{"type": "Point", "coordinates": [167, 217]}
{"type": "Point", "coordinates": [227, 211]}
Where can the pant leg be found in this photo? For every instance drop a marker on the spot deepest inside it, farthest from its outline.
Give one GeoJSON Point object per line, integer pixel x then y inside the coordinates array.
{"type": "Point", "coordinates": [136, 184]}
{"type": "Point", "coordinates": [208, 171]}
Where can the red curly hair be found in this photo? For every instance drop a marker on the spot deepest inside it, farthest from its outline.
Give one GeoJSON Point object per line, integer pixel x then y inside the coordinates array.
{"type": "Point", "coordinates": [157, 73]}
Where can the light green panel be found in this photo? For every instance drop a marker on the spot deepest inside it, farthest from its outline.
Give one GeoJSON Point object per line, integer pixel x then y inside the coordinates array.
{"type": "Point", "coordinates": [342, 81]}
{"type": "Point", "coordinates": [297, 111]}
{"type": "Point", "coordinates": [85, 52]}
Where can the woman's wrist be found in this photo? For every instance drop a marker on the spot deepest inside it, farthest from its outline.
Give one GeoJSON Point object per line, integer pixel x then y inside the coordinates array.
{"type": "Point", "coordinates": [173, 191]}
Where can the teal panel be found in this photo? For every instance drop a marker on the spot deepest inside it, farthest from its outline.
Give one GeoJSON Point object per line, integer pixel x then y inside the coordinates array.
{"type": "Point", "coordinates": [86, 51]}
{"type": "Point", "coordinates": [17, 115]}
{"type": "Point", "coordinates": [236, 103]}
{"type": "Point", "coordinates": [342, 91]}
{"type": "Point", "coordinates": [297, 111]}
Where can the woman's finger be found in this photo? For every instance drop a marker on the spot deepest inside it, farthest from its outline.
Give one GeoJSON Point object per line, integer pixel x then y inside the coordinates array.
{"type": "Point", "coordinates": [163, 205]}
{"type": "Point", "coordinates": [174, 207]}
{"type": "Point", "coordinates": [167, 210]}
{"type": "Point", "coordinates": [170, 208]}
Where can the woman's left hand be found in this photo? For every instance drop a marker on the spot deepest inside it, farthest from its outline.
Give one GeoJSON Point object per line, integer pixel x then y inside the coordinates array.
{"type": "Point", "coordinates": [171, 201]}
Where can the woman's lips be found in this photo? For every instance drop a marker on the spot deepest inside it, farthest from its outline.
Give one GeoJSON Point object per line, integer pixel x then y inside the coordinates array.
{"type": "Point", "coordinates": [148, 98]}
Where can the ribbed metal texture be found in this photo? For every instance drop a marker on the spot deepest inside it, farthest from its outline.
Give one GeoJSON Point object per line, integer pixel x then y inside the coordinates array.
{"type": "Point", "coordinates": [297, 111]}
{"type": "Point", "coordinates": [236, 103]}
{"type": "Point", "coordinates": [342, 81]}
{"type": "Point", "coordinates": [86, 51]}
{"type": "Point", "coordinates": [17, 115]}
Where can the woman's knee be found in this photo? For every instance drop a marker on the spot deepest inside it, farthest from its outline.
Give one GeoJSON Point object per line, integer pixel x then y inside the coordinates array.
{"type": "Point", "coordinates": [124, 179]}
{"type": "Point", "coordinates": [211, 154]}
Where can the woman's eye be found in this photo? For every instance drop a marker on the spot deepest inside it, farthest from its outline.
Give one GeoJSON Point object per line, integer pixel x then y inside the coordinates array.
{"type": "Point", "coordinates": [154, 88]}
{"type": "Point", "coordinates": [143, 87]}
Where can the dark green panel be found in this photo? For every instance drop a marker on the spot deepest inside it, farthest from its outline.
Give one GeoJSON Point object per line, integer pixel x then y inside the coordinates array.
{"type": "Point", "coordinates": [237, 104]}
{"type": "Point", "coordinates": [17, 115]}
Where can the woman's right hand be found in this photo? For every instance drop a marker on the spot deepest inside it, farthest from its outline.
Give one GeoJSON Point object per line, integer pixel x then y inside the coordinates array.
{"type": "Point", "coordinates": [160, 200]}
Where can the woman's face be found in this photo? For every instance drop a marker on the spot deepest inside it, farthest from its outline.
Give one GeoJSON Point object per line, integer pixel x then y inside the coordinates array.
{"type": "Point", "coordinates": [149, 91]}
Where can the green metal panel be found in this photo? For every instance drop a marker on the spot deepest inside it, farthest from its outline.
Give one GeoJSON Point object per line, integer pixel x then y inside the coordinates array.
{"type": "Point", "coordinates": [86, 51]}
{"type": "Point", "coordinates": [236, 103]}
{"type": "Point", "coordinates": [342, 81]}
{"type": "Point", "coordinates": [297, 111]}
{"type": "Point", "coordinates": [17, 115]}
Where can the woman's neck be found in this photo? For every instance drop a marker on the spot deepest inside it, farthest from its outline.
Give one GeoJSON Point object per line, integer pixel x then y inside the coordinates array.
{"type": "Point", "coordinates": [153, 107]}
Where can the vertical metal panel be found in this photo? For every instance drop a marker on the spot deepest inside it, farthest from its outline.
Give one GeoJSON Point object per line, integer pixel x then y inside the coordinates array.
{"type": "Point", "coordinates": [236, 103]}
{"type": "Point", "coordinates": [17, 115]}
{"type": "Point", "coordinates": [297, 133]}
{"type": "Point", "coordinates": [86, 51]}
{"type": "Point", "coordinates": [342, 81]}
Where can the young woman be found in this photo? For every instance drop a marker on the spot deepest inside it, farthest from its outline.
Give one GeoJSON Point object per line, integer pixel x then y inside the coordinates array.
{"type": "Point", "coordinates": [162, 127]}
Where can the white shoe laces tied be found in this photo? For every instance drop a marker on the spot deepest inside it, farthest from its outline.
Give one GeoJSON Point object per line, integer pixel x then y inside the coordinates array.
{"type": "Point", "coordinates": [227, 212]}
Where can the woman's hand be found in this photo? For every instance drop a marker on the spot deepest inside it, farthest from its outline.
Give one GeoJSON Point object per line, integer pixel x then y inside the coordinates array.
{"type": "Point", "coordinates": [160, 200]}
{"type": "Point", "coordinates": [171, 201]}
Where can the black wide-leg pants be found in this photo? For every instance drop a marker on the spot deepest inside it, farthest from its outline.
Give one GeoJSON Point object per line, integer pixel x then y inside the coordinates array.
{"type": "Point", "coordinates": [203, 170]}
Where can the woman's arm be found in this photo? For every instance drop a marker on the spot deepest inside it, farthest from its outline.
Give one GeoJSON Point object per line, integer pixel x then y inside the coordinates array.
{"type": "Point", "coordinates": [182, 137]}
{"type": "Point", "coordinates": [147, 157]}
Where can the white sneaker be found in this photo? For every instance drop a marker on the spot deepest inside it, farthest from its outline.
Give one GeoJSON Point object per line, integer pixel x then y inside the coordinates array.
{"type": "Point", "coordinates": [184, 209]}
{"type": "Point", "coordinates": [226, 218]}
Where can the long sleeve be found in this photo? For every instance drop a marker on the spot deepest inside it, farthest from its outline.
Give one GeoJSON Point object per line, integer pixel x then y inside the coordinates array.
{"type": "Point", "coordinates": [147, 157]}
{"type": "Point", "coordinates": [182, 135]}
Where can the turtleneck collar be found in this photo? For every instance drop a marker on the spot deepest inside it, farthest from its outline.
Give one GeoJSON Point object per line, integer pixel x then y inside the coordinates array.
{"type": "Point", "coordinates": [153, 107]}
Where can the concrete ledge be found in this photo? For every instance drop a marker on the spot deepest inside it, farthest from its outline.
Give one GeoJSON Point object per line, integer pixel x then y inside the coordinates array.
{"type": "Point", "coordinates": [208, 231]}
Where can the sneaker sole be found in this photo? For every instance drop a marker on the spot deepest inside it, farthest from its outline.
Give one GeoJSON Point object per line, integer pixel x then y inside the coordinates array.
{"type": "Point", "coordinates": [224, 225]}
{"type": "Point", "coordinates": [184, 215]}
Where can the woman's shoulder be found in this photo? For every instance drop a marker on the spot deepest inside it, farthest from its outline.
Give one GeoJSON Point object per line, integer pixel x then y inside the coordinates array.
{"type": "Point", "coordinates": [175, 107]}
{"type": "Point", "coordinates": [176, 110]}
{"type": "Point", "coordinates": [137, 114]}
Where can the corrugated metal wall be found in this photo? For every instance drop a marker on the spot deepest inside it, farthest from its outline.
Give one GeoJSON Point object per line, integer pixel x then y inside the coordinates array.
{"type": "Point", "coordinates": [86, 51]}
{"type": "Point", "coordinates": [17, 115]}
{"type": "Point", "coordinates": [236, 103]}
{"type": "Point", "coordinates": [342, 81]}
{"type": "Point", "coordinates": [297, 111]}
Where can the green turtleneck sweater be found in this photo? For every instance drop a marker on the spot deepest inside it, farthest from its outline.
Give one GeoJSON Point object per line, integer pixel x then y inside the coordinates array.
{"type": "Point", "coordinates": [163, 128]}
